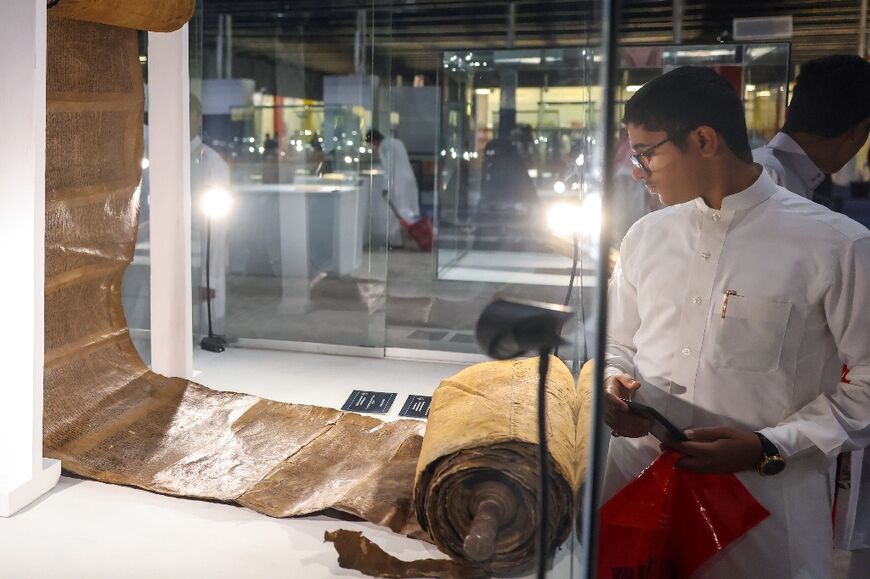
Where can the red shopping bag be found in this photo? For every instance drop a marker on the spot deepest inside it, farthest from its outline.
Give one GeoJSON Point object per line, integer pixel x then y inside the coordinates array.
{"type": "Point", "coordinates": [669, 521]}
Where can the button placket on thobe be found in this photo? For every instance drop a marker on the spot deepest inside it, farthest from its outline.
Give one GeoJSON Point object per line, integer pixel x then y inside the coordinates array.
{"type": "Point", "coordinates": [699, 299]}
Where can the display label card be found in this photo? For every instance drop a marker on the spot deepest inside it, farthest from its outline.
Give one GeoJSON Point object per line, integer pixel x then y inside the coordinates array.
{"type": "Point", "coordinates": [416, 406]}
{"type": "Point", "coordinates": [369, 402]}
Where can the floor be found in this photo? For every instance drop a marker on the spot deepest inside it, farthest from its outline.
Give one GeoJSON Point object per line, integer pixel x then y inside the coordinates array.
{"type": "Point", "coordinates": [89, 530]}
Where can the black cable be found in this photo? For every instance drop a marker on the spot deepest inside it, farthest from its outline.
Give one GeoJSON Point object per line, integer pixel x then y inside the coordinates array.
{"type": "Point", "coordinates": [208, 274]}
{"type": "Point", "coordinates": [572, 278]}
{"type": "Point", "coordinates": [582, 310]}
{"type": "Point", "coordinates": [573, 269]}
{"type": "Point", "coordinates": [543, 465]}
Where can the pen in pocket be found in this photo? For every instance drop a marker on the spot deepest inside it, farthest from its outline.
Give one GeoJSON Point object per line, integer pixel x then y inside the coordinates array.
{"type": "Point", "coordinates": [728, 294]}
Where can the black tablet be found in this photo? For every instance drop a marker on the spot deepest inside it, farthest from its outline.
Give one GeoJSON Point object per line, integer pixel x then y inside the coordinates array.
{"type": "Point", "coordinates": [652, 413]}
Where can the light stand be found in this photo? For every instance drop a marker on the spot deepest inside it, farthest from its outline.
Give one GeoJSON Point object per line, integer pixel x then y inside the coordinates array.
{"type": "Point", "coordinates": [507, 329]}
{"type": "Point", "coordinates": [216, 204]}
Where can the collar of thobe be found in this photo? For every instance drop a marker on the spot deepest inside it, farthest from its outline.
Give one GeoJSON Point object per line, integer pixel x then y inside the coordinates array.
{"type": "Point", "coordinates": [757, 193]}
{"type": "Point", "coordinates": [807, 171]}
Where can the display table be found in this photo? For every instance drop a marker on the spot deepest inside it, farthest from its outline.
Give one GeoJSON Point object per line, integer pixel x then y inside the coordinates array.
{"type": "Point", "coordinates": [319, 229]}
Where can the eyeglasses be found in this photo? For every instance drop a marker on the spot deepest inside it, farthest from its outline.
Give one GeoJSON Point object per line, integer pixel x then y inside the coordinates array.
{"type": "Point", "coordinates": [637, 158]}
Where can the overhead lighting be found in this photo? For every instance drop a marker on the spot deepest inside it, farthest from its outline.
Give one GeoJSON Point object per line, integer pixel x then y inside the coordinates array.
{"type": "Point", "coordinates": [750, 87]}
{"type": "Point", "coordinates": [633, 87]}
{"type": "Point", "coordinates": [763, 93]}
{"type": "Point", "coordinates": [482, 91]}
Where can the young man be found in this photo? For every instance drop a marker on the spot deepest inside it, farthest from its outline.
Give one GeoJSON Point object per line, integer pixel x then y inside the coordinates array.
{"type": "Point", "coordinates": [725, 319]}
{"type": "Point", "coordinates": [827, 123]}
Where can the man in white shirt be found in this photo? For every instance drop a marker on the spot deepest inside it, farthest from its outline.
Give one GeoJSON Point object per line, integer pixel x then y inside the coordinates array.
{"type": "Point", "coordinates": [401, 181]}
{"type": "Point", "coordinates": [732, 312]}
{"type": "Point", "coordinates": [827, 123]}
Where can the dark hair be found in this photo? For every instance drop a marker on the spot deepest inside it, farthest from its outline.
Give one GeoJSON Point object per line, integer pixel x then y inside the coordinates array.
{"type": "Point", "coordinates": [686, 98]}
{"type": "Point", "coordinates": [831, 96]}
{"type": "Point", "coordinates": [374, 136]}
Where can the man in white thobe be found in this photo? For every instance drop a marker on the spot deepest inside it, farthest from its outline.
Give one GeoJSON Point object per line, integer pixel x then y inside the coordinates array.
{"type": "Point", "coordinates": [827, 124]}
{"type": "Point", "coordinates": [401, 184]}
{"type": "Point", "coordinates": [732, 312]}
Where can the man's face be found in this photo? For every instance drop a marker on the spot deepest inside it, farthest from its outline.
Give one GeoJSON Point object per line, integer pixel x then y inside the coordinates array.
{"type": "Point", "coordinates": [669, 172]}
{"type": "Point", "coordinates": [851, 143]}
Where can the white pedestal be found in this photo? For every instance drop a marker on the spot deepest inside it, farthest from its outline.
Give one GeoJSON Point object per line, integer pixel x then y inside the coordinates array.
{"type": "Point", "coordinates": [15, 499]}
{"type": "Point", "coordinates": [169, 154]}
{"type": "Point", "coordinates": [24, 475]}
{"type": "Point", "coordinates": [318, 223]}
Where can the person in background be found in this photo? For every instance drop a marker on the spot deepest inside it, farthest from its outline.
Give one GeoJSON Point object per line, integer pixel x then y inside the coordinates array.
{"type": "Point", "coordinates": [827, 123]}
{"type": "Point", "coordinates": [401, 182]}
{"type": "Point", "coordinates": [724, 318]}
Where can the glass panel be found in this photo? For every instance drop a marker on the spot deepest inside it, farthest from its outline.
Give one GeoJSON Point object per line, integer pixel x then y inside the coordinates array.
{"type": "Point", "coordinates": [301, 255]}
{"type": "Point", "coordinates": [509, 147]}
{"type": "Point", "coordinates": [500, 150]}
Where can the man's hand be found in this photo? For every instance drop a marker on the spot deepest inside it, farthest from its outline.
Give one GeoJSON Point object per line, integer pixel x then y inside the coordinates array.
{"type": "Point", "coordinates": [616, 413]}
{"type": "Point", "coordinates": [717, 450]}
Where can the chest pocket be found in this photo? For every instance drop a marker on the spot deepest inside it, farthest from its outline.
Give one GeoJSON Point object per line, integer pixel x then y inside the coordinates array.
{"type": "Point", "coordinates": [751, 335]}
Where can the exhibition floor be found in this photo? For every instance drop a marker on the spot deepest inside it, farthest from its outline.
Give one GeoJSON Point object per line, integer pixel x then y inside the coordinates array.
{"type": "Point", "coordinates": [90, 530]}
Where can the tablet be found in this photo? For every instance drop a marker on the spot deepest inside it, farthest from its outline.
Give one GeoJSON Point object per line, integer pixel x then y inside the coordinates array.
{"type": "Point", "coordinates": [655, 415]}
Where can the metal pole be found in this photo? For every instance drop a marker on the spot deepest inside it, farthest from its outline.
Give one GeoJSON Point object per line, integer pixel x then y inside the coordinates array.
{"type": "Point", "coordinates": [219, 48]}
{"type": "Point", "coordinates": [862, 31]}
{"type": "Point", "coordinates": [512, 24]}
{"type": "Point", "coordinates": [610, 11]}
{"type": "Point", "coordinates": [677, 22]}
{"type": "Point", "coordinates": [359, 44]}
{"type": "Point", "coordinates": [228, 21]}
{"type": "Point", "coordinates": [208, 273]}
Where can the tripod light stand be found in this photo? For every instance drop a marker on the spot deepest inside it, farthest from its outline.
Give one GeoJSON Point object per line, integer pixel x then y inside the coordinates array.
{"type": "Point", "coordinates": [215, 204]}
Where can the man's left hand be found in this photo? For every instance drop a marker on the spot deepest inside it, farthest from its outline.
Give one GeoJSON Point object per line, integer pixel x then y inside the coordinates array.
{"type": "Point", "coordinates": [717, 450]}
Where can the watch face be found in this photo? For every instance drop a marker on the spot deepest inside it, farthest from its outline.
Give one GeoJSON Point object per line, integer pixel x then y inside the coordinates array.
{"type": "Point", "coordinates": [772, 466]}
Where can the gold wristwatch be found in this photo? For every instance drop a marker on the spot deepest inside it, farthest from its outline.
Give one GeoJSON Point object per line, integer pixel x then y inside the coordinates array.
{"type": "Point", "coordinates": [771, 462]}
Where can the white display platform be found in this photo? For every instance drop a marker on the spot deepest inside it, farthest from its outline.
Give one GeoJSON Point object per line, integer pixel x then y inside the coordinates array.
{"type": "Point", "coordinates": [507, 267]}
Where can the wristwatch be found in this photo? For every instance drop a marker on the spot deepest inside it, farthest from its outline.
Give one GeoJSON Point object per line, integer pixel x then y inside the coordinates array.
{"type": "Point", "coordinates": [771, 462]}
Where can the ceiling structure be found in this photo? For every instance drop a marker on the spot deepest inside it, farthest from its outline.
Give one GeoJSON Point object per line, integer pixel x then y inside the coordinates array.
{"type": "Point", "coordinates": [407, 36]}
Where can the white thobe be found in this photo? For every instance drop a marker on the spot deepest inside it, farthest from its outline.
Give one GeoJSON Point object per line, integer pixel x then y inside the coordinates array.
{"type": "Point", "coordinates": [789, 165]}
{"type": "Point", "coordinates": [402, 190]}
{"type": "Point", "coordinates": [772, 364]}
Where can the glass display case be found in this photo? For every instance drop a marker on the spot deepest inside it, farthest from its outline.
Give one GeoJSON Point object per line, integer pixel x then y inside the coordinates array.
{"type": "Point", "coordinates": [518, 145]}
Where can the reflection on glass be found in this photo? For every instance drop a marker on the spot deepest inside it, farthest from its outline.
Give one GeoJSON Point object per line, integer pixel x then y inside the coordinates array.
{"type": "Point", "coordinates": [516, 134]}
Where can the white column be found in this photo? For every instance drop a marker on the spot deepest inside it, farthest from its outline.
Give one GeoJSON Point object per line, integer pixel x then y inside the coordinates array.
{"type": "Point", "coordinates": [169, 154]}
{"type": "Point", "coordinates": [295, 281]}
{"type": "Point", "coordinates": [24, 474]}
